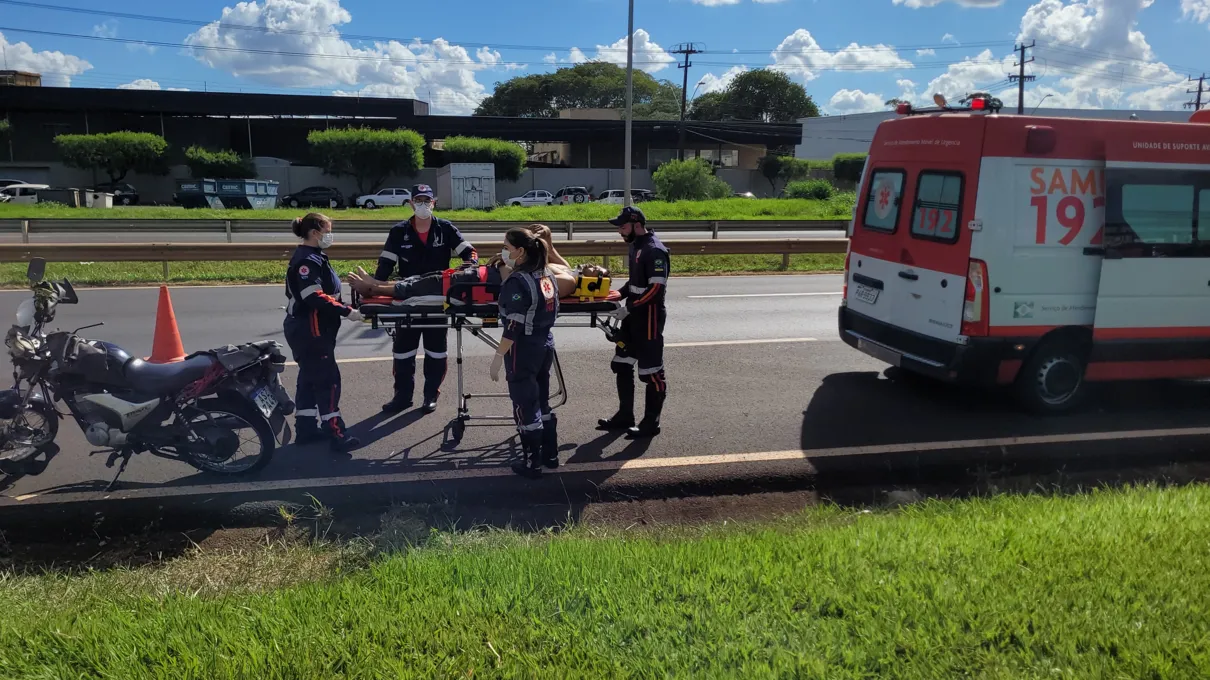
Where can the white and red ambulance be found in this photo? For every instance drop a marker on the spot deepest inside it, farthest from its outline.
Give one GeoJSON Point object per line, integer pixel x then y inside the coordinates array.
{"type": "Point", "coordinates": [1041, 253]}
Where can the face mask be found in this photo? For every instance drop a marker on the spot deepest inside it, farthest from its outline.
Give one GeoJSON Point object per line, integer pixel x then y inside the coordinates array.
{"type": "Point", "coordinates": [422, 210]}
{"type": "Point", "coordinates": [507, 257]}
{"type": "Point", "coordinates": [325, 241]}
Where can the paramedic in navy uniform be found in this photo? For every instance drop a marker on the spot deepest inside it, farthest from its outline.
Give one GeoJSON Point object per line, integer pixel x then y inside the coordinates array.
{"type": "Point", "coordinates": [421, 245]}
{"type": "Point", "coordinates": [640, 341]}
{"type": "Point", "coordinates": [313, 313]}
{"type": "Point", "coordinates": [529, 304]}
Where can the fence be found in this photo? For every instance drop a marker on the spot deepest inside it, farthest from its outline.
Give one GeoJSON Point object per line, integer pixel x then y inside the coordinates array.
{"type": "Point", "coordinates": [219, 252]}
{"type": "Point", "coordinates": [229, 227]}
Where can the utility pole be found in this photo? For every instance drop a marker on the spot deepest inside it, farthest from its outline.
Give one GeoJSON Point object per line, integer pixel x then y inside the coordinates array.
{"type": "Point", "coordinates": [1020, 77]}
{"type": "Point", "coordinates": [629, 160]}
{"type": "Point", "coordinates": [686, 49]}
{"type": "Point", "coordinates": [1197, 103]}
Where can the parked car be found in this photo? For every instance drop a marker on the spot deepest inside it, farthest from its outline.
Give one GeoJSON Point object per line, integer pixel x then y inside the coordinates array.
{"type": "Point", "coordinates": [535, 197]}
{"type": "Point", "coordinates": [640, 195]}
{"type": "Point", "coordinates": [385, 197]}
{"type": "Point", "coordinates": [314, 197]}
{"type": "Point", "coordinates": [123, 192]}
{"type": "Point", "coordinates": [744, 194]}
{"type": "Point", "coordinates": [616, 196]}
{"type": "Point", "coordinates": [10, 182]}
{"type": "Point", "coordinates": [22, 193]}
{"type": "Point", "coordinates": [572, 195]}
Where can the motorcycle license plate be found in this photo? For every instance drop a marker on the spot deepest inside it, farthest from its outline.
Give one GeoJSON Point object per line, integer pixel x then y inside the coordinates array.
{"type": "Point", "coordinates": [265, 401]}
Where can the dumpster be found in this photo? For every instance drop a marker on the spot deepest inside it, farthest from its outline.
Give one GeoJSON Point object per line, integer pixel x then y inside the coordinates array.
{"type": "Point", "coordinates": [248, 194]}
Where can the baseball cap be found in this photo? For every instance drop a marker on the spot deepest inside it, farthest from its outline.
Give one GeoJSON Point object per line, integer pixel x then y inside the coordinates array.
{"type": "Point", "coordinates": [629, 214]}
{"type": "Point", "coordinates": [422, 190]}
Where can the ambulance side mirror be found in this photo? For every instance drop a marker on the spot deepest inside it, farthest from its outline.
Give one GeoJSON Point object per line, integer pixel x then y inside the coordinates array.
{"type": "Point", "coordinates": [1039, 139]}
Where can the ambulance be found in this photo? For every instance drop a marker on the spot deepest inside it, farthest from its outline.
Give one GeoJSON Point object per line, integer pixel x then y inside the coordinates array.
{"type": "Point", "coordinates": [1040, 254]}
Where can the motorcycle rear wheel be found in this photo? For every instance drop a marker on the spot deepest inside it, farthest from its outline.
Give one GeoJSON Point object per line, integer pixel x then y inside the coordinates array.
{"type": "Point", "coordinates": [22, 440]}
{"type": "Point", "coordinates": [225, 407]}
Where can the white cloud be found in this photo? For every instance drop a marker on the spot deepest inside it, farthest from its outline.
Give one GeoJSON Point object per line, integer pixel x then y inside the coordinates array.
{"type": "Point", "coordinates": [856, 101]}
{"type": "Point", "coordinates": [437, 71]}
{"type": "Point", "coordinates": [106, 29]}
{"type": "Point", "coordinates": [917, 4]}
{"type": "Point", "coordinates": [969, 75]}
{"type": "Point", "coordinates": [1198, 9]}
{"type": "Point", "coordinates": [799, 54]}
{"type": "Point", "coordinates": [149, 84]}
{"type": "Point", "coordinates": [648, 55]}
{"type": "Point", "coordinates": [713, 83]}
{"type": "Point", "coordinates": [949, 37]}
{"type": "Point", "coordinates": [56, 68]}
{"type": "Point", "coordinates": [716, 3]}
{"type": "Point", "coordinates": [927, 52]}
{"type": "Point", "coordinates": [551, 58]}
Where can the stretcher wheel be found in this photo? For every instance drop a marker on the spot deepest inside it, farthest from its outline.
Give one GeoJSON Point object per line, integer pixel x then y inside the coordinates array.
{"type": "Point", "coordinates": [458, 428]}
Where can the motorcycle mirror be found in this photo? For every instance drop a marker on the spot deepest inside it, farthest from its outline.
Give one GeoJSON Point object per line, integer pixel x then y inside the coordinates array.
{"type": "Point", "coordinates": [36, 270]}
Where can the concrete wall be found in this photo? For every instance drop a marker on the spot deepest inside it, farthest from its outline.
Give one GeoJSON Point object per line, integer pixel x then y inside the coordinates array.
{"type": "Point", "coordinates": [292, 178]}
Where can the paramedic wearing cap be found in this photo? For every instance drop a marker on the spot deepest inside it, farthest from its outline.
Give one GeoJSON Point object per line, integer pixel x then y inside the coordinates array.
{"type": "Point", "coordinates": [423, 244]}
{"type": "Point", "coordinates": [640, 341]}
{"type": "Point", "coordinates": [314, 311]}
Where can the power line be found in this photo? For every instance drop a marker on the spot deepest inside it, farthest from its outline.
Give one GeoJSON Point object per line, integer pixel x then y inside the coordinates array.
{"type": "Point", "coordinates": [687, 50]}
{"type": "Point", "coordinates": [1020, 78]}
{"type": "Point", "coordinates": [1197, 103]}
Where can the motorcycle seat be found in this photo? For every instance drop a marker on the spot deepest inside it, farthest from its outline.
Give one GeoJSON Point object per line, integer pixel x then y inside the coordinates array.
{"type": "Point", "coordinates": [160, 379]}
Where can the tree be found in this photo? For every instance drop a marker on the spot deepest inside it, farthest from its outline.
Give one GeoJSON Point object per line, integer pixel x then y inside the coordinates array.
{"type": "Point", "coordinates": [508, 157]}
{"type": "Point", "coordinates": [785, 168]}
{"type": "Point", "coordinates": [688, 180]}
{"type": "Point", "coordinates": [592, 85]}
{"type": "Point", "coordinates": [224, 164]}
{"type": "Point", "coordinates": [368, 155]}
{"type": "Point", "coordinates": [761, 95]}
{"type": "Point", "coordinates": [710, 106]}
{"type": "Point", "coordinates": [894, 102]}
{"type": "Point", "coordinates": [116, 153]}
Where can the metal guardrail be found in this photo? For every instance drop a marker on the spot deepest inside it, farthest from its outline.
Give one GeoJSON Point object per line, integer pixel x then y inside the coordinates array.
{"type": "Point", "coordinates": [229, 227]}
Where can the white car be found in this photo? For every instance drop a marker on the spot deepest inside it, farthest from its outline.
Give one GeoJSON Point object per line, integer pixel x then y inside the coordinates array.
{"type": "Point", "coordinates": [536, 197]}
{"type": "Point", "coordinates": [22, 193]}
{"type": "Point", "coordinates": [385, 197]}
{"type": "Point", "coordinates": [615, 196]}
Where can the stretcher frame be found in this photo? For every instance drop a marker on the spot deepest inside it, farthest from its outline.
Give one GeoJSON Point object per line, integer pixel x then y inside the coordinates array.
{"type": "Point", "coordinates": [477, 319]}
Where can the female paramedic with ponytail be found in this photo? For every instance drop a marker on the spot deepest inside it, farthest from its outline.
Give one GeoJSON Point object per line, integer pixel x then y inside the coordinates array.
{"type": "Point", "coordinates": [313, 314]}
{"type": "Point", "coordinates": [529, 304]}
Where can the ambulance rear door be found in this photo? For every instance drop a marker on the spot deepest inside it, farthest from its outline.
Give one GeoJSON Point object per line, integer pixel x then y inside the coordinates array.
{"type": "Point", "coordinates": [1153, 303]}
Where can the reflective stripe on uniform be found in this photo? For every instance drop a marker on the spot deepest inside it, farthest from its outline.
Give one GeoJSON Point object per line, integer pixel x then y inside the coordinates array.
{"type": "Point", "coordinates": [304, 412]}
{"type": "Point", "coordinates": [290, 307]}
{"type": "Point", "coordinates": [388, 255]}
{"type": "Point", "coordinates": [531, 427]}
{"type": "Point", "coordinates": [637, 290]}
{"type": "Point", "coordinates": [658, 279]}
{"type": "Point", "coordinates": [534, 295]}
{"type": "Point", "coordinates": [462, 246]}
{"type": "Point", "coordinates": [310, 290]}
{"type": "Point", "coordinates": [651, 371]}
{"type": "Point", "coordinates": [626, 360]}
{"type": "Point", "coordinates": [435, 355]}
{"type": "Point", "coordinates": [329, 416]}
{"type": "Point", "coordinates": [405, 355]}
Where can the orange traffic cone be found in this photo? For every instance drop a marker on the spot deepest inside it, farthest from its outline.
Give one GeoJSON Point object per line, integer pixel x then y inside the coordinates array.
{"type": "Point", "coordinates": [166, 347]}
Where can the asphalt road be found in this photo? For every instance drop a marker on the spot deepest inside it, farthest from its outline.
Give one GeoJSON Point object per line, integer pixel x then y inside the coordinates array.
{"type": "Point", "coordinates": [756, 376]}
{"type": "Point", "coordinates": [283, 235]}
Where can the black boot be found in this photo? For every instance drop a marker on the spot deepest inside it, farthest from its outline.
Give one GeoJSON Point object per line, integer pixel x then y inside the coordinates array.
{"type": "Point", "coordinates": [531, 448]}
{"type": "Point", "coordinates": [550, 443]}
{"type": "Point", "coordinates": [650, 425]}
{"type": "Point", "coordinates": [624, 418]}
{"type": "Point", "coordinates": [398, 404]}
{"type": "Point", "coordinates": [306, 431]}
{"type": "Point", "coordinates": [340, 441]}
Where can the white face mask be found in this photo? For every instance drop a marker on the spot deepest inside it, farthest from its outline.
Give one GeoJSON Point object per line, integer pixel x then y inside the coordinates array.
{"type": "Point", "coordinates": [507, 257]}
{"type": "Point", "coordinates": [325, 241]}
{"type": "Point", "coordinates": [423, 210]}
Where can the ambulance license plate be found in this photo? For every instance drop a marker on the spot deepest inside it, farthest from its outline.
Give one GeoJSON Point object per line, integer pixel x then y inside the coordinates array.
{"type": "Point", "coordinates": [879, 352]}
{"type": "Point", "coordinates": [866, 294]}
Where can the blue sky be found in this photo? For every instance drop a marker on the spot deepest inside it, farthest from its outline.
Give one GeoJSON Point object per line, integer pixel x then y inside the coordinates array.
{"type": "Point", "coordinates": [850, 54]}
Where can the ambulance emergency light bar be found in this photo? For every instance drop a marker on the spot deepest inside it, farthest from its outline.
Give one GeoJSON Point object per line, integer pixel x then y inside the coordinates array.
{"type": "Point", "coordinates": [977, 103]}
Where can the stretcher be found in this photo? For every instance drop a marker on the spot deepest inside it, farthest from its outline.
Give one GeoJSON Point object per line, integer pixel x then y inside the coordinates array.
{"type": "Point", "coordinates": [472, 307]}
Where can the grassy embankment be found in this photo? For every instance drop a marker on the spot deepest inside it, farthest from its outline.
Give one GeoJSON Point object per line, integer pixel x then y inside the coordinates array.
{"type": "Point", "coordinates": [120, 273]}
{"type": "Point", "coordinates": [1110, 584]}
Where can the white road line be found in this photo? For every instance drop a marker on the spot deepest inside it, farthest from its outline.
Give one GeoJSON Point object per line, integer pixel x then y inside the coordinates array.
{"type": "Point", "coordinates": [755, 295]}
{"type": "Point", "coordinates": [600, 466]}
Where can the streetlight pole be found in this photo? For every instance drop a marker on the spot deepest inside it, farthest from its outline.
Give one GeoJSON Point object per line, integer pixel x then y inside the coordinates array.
{"type": "Point", "coordinates": [629, 99]}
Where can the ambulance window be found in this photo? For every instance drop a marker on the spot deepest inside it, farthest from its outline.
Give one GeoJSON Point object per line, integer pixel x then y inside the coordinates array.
{"type": "Point", "coordinates": [882, 204]}
{"type": "Point", "coordinates": [1203, 216]}
{"type": "Point", "coordinates": [938, 206]}
{"type": "Point", "coordinates": [1158, 213]}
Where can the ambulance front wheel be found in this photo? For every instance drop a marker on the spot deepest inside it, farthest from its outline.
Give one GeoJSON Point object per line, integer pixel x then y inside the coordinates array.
{"type": "Point", "coordinates": [1052, 380]}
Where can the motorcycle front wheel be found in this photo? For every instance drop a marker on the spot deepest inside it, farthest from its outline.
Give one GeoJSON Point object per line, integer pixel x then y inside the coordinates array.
{"type": "Point", "coordinates": [234, 438]}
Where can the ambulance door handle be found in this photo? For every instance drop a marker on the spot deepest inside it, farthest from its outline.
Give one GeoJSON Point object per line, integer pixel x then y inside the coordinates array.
{"type": "Point", "coordinates": [909, 277]}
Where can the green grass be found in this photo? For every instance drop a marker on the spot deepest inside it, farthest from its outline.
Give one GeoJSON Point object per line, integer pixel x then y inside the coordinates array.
{"type": "Point", "coordinates": [727, 209]}
{"type": "Point", "coordinates": [1112, 584]}
{"type": "Point", "coordinates": [132, 273]}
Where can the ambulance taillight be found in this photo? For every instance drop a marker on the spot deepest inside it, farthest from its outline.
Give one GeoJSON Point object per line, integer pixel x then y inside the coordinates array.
{"type": "Point", "coordinates": [975, 309]}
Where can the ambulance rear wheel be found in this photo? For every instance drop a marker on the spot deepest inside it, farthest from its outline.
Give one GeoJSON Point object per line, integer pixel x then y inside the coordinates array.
{"type": "Point", "coordinates": [1052, 380]}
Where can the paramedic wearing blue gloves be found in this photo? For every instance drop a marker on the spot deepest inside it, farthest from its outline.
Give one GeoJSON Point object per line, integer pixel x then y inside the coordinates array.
{"type": "Point", "coordinates": [529, 303]}
{"type": "Point", "coordinates": [421, 245]}
{"type": "Point", "coordinates": [313, 313]}
{"type": "Point", "coordinates": [640, 340]}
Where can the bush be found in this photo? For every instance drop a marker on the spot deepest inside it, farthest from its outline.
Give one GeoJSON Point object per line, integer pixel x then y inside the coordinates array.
{"type": "Point", "coordinates": [848, 166]}
{"type": "Point", "coordinates": [225, 164]}
{"type": "Point", "coordinates": [115, 153]}
{"type": "Point", "coordinates": [509, 158]}
{"type": "Point", "coordinates": [818, 189]}
{"type": "Point", "coordinates": [369, 155]}
{"type": "Point", "coordinates": [689, 180]}
{"type": "Point", "coordinates": [842, 203]}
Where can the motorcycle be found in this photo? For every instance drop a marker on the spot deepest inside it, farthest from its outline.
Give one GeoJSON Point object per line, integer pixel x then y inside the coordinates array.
{"type": "Point", "coordinates": [191, 410]}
